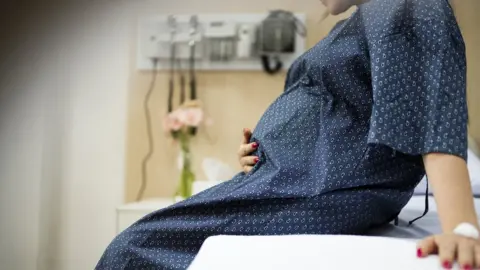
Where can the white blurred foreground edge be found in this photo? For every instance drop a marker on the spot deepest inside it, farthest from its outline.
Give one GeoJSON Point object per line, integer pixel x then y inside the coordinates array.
{"type": "Point", "coordinates": [309, 252]}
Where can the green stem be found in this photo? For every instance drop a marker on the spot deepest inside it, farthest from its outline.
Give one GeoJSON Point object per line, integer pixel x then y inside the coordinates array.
{"type": "Point", "coordinates": [186, 176]}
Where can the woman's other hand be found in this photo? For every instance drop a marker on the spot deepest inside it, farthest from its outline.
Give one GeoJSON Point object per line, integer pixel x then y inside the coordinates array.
{"type": "Point", "coordinates": [246, 149]}
{"type": "Point", "coordinates": [452, 248]}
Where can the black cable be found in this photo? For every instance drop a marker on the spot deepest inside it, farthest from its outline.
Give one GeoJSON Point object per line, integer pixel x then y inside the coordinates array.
{"type": "Point", "coordinates": [148, 119]}
{"type": "Point", "coordinates": [182, 84]}
{"type": "Point", "coordinates": [171, 86]}
{"type": "Point", "coordinates": [193, 82]}
{"type": "Point", "coordinates": [425, 212]}
{"type": "Point", "coordinates": [267, 65]}
{"type": "Point", "coordinates": [171, 83]}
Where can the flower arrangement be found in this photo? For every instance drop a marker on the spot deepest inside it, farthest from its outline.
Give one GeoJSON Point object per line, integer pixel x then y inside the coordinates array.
{"type": "Point", "coordinates": [181, 124]}
{"type": "Point", "coordinates": [183, 119]}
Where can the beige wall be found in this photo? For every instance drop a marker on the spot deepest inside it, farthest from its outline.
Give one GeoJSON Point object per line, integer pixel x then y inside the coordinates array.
{"type": "Point", "coordinates": [234, 99]}
{"type": "Point", "coordinates": [468, 17]}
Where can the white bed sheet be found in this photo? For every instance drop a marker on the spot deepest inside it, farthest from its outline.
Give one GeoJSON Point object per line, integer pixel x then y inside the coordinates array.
{"type": "Point", "coordinates": [309, 252]}
{"type": "Point", "coordinates": [383, 249]}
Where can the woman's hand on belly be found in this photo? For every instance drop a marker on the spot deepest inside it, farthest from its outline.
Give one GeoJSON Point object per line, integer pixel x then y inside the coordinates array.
{"type": "Point", "coordinates": [246, 160]}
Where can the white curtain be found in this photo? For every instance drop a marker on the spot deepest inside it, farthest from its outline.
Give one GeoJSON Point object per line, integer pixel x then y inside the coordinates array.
{"type": "Point", "coordinates": [31, 139]}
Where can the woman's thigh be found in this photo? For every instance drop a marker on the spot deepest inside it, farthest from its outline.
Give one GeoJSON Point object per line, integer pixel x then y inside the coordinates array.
{"type": "Point", "coordinates": [170, 238]}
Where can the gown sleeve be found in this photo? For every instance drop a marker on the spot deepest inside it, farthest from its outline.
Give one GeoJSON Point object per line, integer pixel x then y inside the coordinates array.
{"type": "Point", "coordinates": [419, 90]}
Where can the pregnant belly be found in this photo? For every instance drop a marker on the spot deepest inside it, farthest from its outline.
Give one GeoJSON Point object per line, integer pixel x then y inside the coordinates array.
{"type": "Point", "coordinates": [316, 138]}
{"type": "Point", "coordinates": [293, 115]}
{"type": "Point", "coordinates": [288, 135]}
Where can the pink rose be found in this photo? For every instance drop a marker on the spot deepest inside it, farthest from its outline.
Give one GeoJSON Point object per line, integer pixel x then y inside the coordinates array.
{"type": "Point", "coordinates": [172, 122]}
{"type": "Point", "coordinates": [190, 116]}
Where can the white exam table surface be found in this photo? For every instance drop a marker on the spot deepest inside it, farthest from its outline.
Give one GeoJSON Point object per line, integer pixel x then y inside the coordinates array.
{"type": "Point", "coordinates": [391, 247]}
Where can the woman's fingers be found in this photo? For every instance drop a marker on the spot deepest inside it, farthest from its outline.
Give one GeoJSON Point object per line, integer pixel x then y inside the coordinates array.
{"type": "Point", "coordinates": [427, 247]}
{"type": "Point", "coordinates": [477, 256]}
{"type": "Point", "coordinates": [247, 149]}
{"type": "Point", "coordinates": [447, 248]}
{"type": "Point", "coordinates": [247, 169]}
{"type": "Point", "coordinates": [466, 253]}
{"type": "Point", "coordinates": [247, 135]}
{"type": "Point", "coordinates": [450, 249]}
{"type": "Point", "coordinates": [248, 161]}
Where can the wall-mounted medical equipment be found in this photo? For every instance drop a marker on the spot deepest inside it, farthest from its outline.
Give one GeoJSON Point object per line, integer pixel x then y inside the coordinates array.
{"type": "Point", "coordinates": [221, 41]}
{"type": "Point", "coordinates": [220, 38]}
{"type": "Point", "coordinates": [246, 40]}
{"type": "Point", "coordinates": [276, 36]}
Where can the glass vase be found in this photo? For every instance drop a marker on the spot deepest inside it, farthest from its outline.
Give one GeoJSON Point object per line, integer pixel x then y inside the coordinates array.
{"type": "Point", "coordinates": [187, 177]}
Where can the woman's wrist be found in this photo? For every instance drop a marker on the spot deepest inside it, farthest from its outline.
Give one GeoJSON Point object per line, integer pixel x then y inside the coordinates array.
{"type": "Point", "coordinates": [467, 230]}
{"type": "Point", "coordinates": [450, 228]}
{"type": "Point", "coordinates": [449, 178]}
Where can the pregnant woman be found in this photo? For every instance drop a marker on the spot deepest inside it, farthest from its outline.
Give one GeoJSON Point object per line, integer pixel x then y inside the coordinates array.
{"type": "Point", "coordinates": [365, 114]}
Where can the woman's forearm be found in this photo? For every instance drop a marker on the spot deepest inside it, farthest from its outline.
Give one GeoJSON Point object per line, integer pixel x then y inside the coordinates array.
{"type": "Point", "coordinates": [450, 181]}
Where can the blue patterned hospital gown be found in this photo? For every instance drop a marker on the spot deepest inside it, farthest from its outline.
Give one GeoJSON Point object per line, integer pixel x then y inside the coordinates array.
{"type": "Point", "coordinates": [341, 149]}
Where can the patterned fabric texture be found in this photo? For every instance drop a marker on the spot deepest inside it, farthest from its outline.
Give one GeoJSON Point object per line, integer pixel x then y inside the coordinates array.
{"type": "Point", "coordinates": [341, 149]}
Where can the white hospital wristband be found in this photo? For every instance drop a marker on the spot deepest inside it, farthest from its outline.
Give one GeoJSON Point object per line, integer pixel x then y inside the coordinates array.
{"type": "Point", "coordinates": [467, 230]}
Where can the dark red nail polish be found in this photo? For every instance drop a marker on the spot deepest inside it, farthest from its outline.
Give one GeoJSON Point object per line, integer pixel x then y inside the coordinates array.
{"type": "Point", "coordinates": [419, 253]}
{"type": "Point", "coordinates": [447, 265]}
{"type": "Point", "coordinates": [254, 145]}
{"type": "Point", "coordinates": [467, 267]}
{"type": "Point", "coordinates": [256, 160]}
